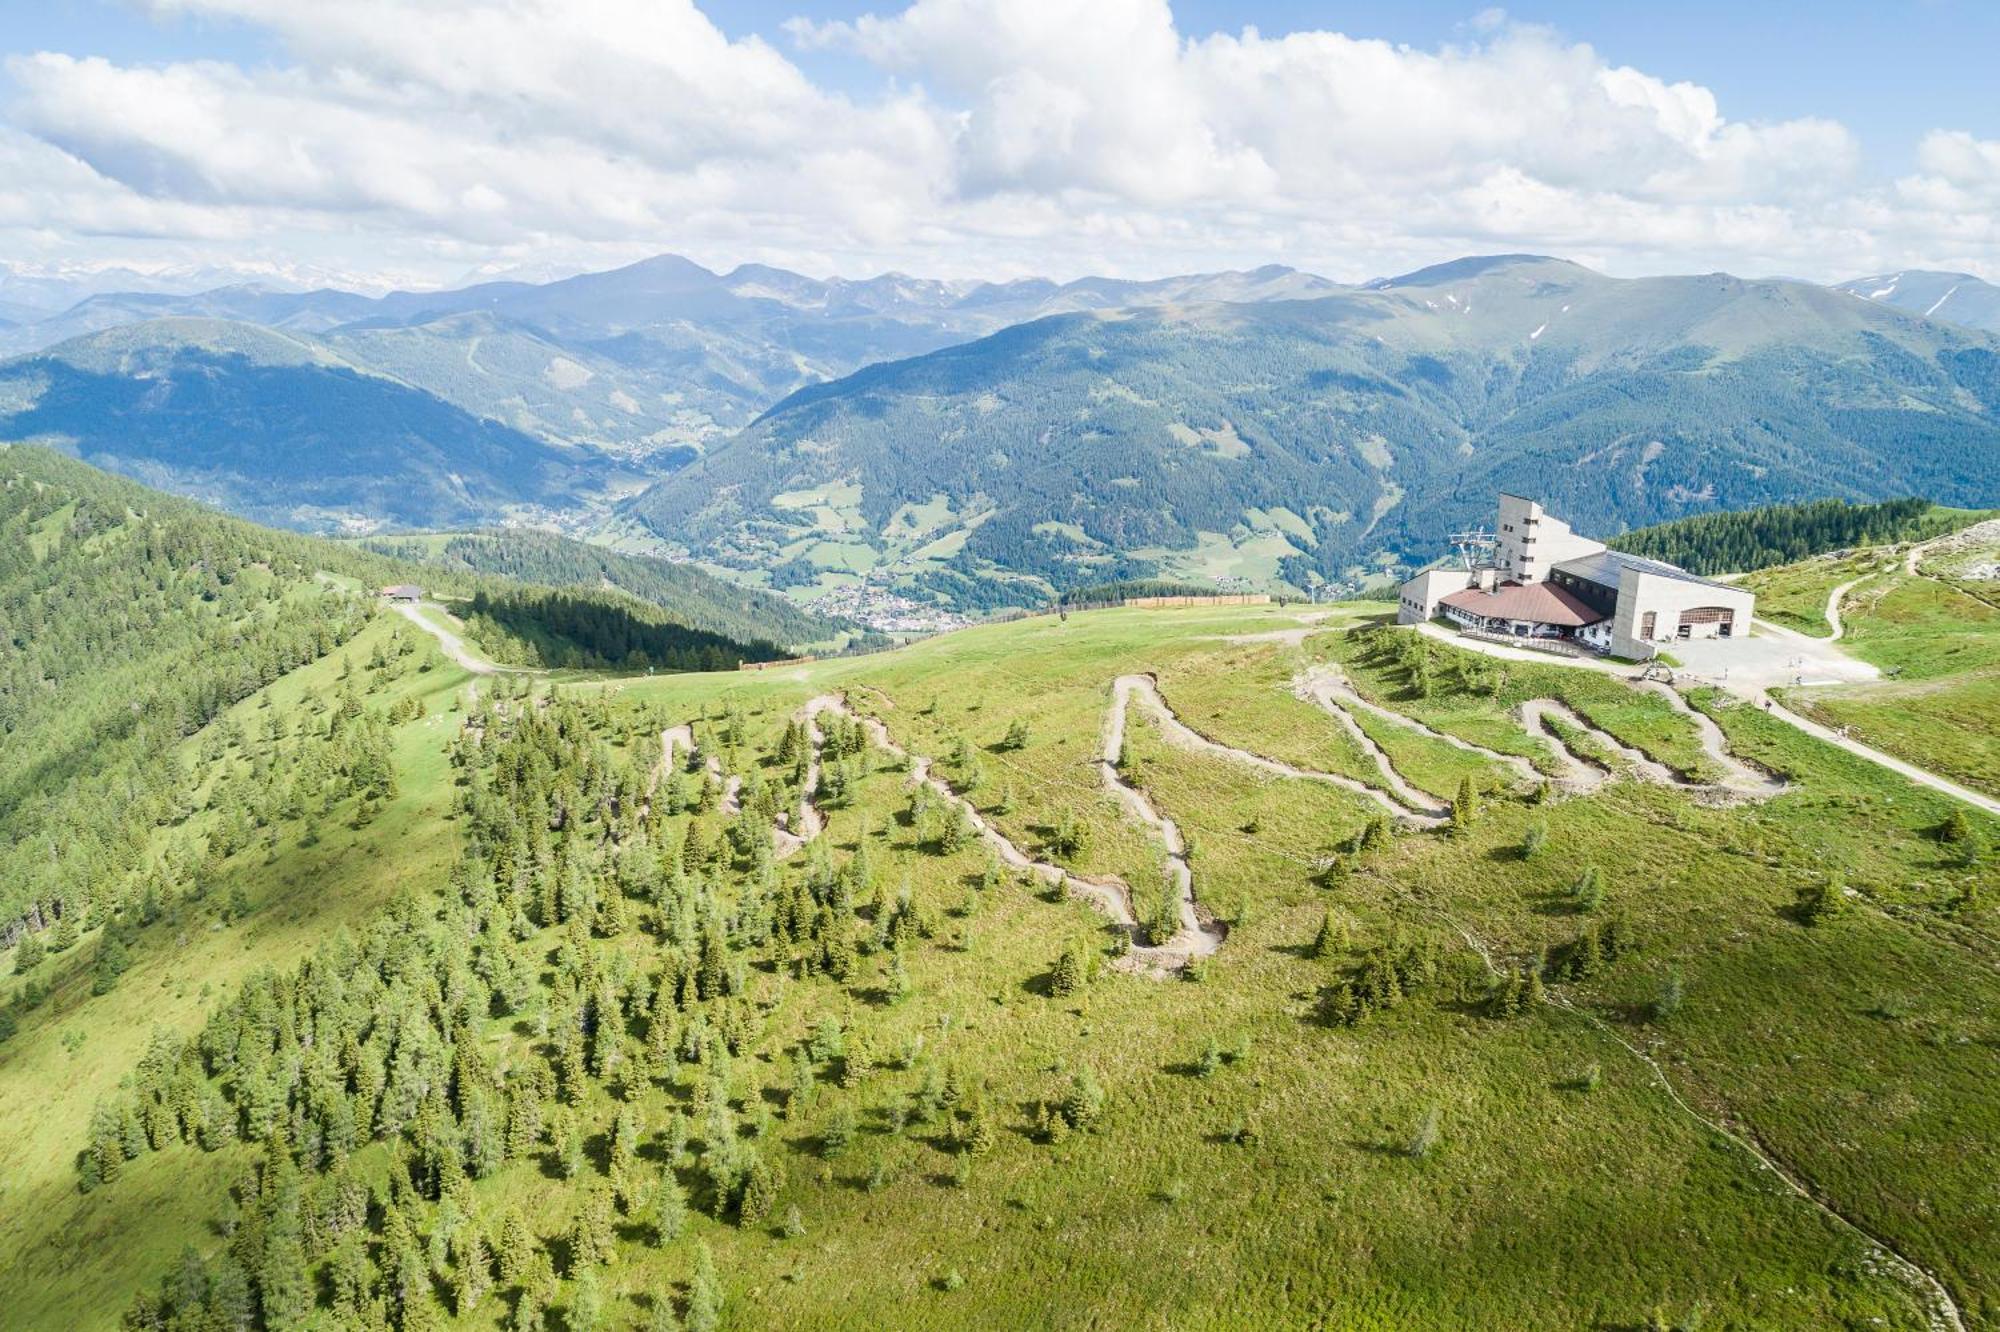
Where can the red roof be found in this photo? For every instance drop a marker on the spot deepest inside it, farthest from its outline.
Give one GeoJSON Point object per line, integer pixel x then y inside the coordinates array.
{"type": "Point", "coordinates": [1537, 603]}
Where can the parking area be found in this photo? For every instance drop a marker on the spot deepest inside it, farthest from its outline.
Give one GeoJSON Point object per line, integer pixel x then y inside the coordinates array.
{"type": "Point", "coordinates": [1771, 657]}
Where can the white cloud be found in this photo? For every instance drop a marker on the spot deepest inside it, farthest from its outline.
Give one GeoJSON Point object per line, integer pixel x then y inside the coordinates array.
{"type": "Point", "coordinates": [999, 136]}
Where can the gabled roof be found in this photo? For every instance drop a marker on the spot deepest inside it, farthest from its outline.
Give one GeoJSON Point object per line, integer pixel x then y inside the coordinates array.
{"type": "Point", "coordinates": [1536, 603]}
{"type": "Point", "coordinates": [1606, 566]}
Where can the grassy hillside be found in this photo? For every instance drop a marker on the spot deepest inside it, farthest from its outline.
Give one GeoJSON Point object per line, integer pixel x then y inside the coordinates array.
{"type": "Point", "coordinates": [608, 1053]}
{"type": "Point", "coordinates": [1317, 440]}
{"type": "Point", "coordinates": [1936, 636]}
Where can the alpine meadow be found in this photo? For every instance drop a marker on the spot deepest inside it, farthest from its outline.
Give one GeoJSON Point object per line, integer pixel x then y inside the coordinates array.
{"type": "Point", "coordinates": [996, 665]}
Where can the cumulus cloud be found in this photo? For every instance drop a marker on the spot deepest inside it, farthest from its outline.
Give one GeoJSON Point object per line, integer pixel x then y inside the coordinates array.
{"type": "Point", "coordinates": [995, 136]}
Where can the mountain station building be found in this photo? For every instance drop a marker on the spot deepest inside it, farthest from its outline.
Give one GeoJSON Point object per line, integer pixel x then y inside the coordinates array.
{"type": "Point", "coordinates": [1536, 580]}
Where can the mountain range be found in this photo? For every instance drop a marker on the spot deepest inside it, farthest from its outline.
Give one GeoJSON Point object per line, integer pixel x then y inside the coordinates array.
{"type": "Point", "coordinates": [1957, 297]}
{"type": "Point", "coordinates": [987, 442]}
{"type": "Point", "coordinates": [501, 401]}
{"type": "Point", "coordinates": [1311, 441]}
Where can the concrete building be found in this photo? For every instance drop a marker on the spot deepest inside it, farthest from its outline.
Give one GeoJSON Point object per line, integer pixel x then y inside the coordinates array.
{"type": "Point", "coordinates": [1535, 579]}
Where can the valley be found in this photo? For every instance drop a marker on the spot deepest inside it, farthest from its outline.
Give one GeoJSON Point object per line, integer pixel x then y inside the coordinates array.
{"type": "Point", "coordinates": [910, 454]}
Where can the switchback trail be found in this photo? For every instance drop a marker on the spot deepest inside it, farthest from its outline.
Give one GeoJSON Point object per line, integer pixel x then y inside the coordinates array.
{"type": "Point", "coordinates": [1428, 813]}
{"type": "Point", "coordinates": [1195, 938]}
{"type": "Point", "coordinates": [1324, 685]}
{"type": "Point", "coordinates": [683, 737]}
{"type": "Point", "coordinates": [1921, 776]}
{"type": "Point", "coordinates": [1579, 772]}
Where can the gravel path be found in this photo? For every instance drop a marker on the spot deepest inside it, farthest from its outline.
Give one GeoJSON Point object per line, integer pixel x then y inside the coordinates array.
{"type": "Point", "coordinates": [454, 646]}
{"type": "Point", "coordinates": [1920, 776]}
{"type": "Point", "coordinates": [1761, 697]}
{"type": "Point", "coordinates": [1182, 736]}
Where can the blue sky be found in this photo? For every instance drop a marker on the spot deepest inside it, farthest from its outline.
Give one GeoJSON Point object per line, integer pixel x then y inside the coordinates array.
{"type": "Point", "coordinates": [1892, 69]}
{"type": "Point", "coordinates": [374, 139]}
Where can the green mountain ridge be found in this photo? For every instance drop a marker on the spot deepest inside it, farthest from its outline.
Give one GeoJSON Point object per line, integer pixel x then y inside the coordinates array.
{"type": "Point", "coordinates": [284, 429]}
{"type": "Point", "coordinates": [1958, 298]}
{"type": "Point", "coordinates": [697, 599]}
{"type": "Point", "coordinates": [1309, 441]}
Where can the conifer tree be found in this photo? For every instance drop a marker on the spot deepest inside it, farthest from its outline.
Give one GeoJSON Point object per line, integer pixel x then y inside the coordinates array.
{"type": "Point", "coordinates": [858, 1062]}
{"type": "Point", "coordinates": [1083, 1103]}
{"type": "Point", "coordinates": [704, 1312]}
{"type": "Point", "coordinates": [590, 1236]}
{"type": "Point", "coordinates": [669, 1210]}
{"type": "Point", "coordinates": [1331, 937]}
{"type": "Point", "coordinates": [586, 1302]}
{"type": "Point", "coordinates": [760, 1192]}
{"type": "Point", "coordinates": [1465, 807]}
{"type": "Point", "coordinates": [517, 1249]}
{"type": "Point", "coordinates": [1067, 977]}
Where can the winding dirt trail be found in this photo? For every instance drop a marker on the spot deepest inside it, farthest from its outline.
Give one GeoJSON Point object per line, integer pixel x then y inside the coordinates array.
{"type": "Point", "coordinates": [1325, 686]}
{"type": "Point", "coordinates": [1536, 713]}
{"type": "Point", "coordinates": [790, 840]}
{"type": "Point", "coordinates": [1579, 773]}
{"type": "Point", "coordinates": [1833, 600]}
{"type": "Point", "coordinates": [682, 736]}
{"type": "Point", "coordinates": [1740, 778]}
{"type": "Point", "coordinates": [1427, 814]}
{"type": "Point", "coordinates": [1745, 687]}
{"type": "Point", "coordinates": [1196, 937]}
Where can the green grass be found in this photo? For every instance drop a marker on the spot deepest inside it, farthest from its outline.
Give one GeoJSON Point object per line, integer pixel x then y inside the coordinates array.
{"type": "Point", "coordinates": [1938, 644]}
{"type": "Point", "coordinates": [1543, 1205]}
{"type": "Point", "coordinates": [1794, 595]}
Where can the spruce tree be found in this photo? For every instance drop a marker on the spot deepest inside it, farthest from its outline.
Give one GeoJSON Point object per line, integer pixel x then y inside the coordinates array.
{"type": "Point", "coordinates": [1067, 977]}
{"type": "Point", "coordinates": [517, 1249]}
{"type": "Point", "coordinates": [704, 1312]}
{"type": "Point", "coordinates": [586, 1302]}
{"type": "Point", "coordinates": [760, 1192]}
{"type": "Point", "coordinates": [1465, 807]}
{"type": "Point", "coordinates": [669, 1209]}
{"type": "Point", "coordinates": [591, 1237]}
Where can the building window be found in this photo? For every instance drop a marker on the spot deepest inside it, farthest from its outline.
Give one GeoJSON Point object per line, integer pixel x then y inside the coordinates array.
{"type": "Point", "coordinates": [1647, 623]}
{"type": "Point", "coordinates": [1708, 615]}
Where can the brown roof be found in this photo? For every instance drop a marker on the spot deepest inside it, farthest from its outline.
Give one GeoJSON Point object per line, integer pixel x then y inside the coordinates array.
{"type": "Point", "coordinates": [1538, 603]}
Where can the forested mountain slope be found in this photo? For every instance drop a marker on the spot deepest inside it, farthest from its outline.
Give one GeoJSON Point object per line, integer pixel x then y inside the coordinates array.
{"type": "Point", "coordinates": [282, 428]}
{"type": "Point", "coordinates": [1306, 439]}
{"type": "Point", "coordinates": [1714, 543]}
{"type": "Point", "coordinates": [495, 1017]}
{"type": "Point", "coordinates": [130, 619]}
